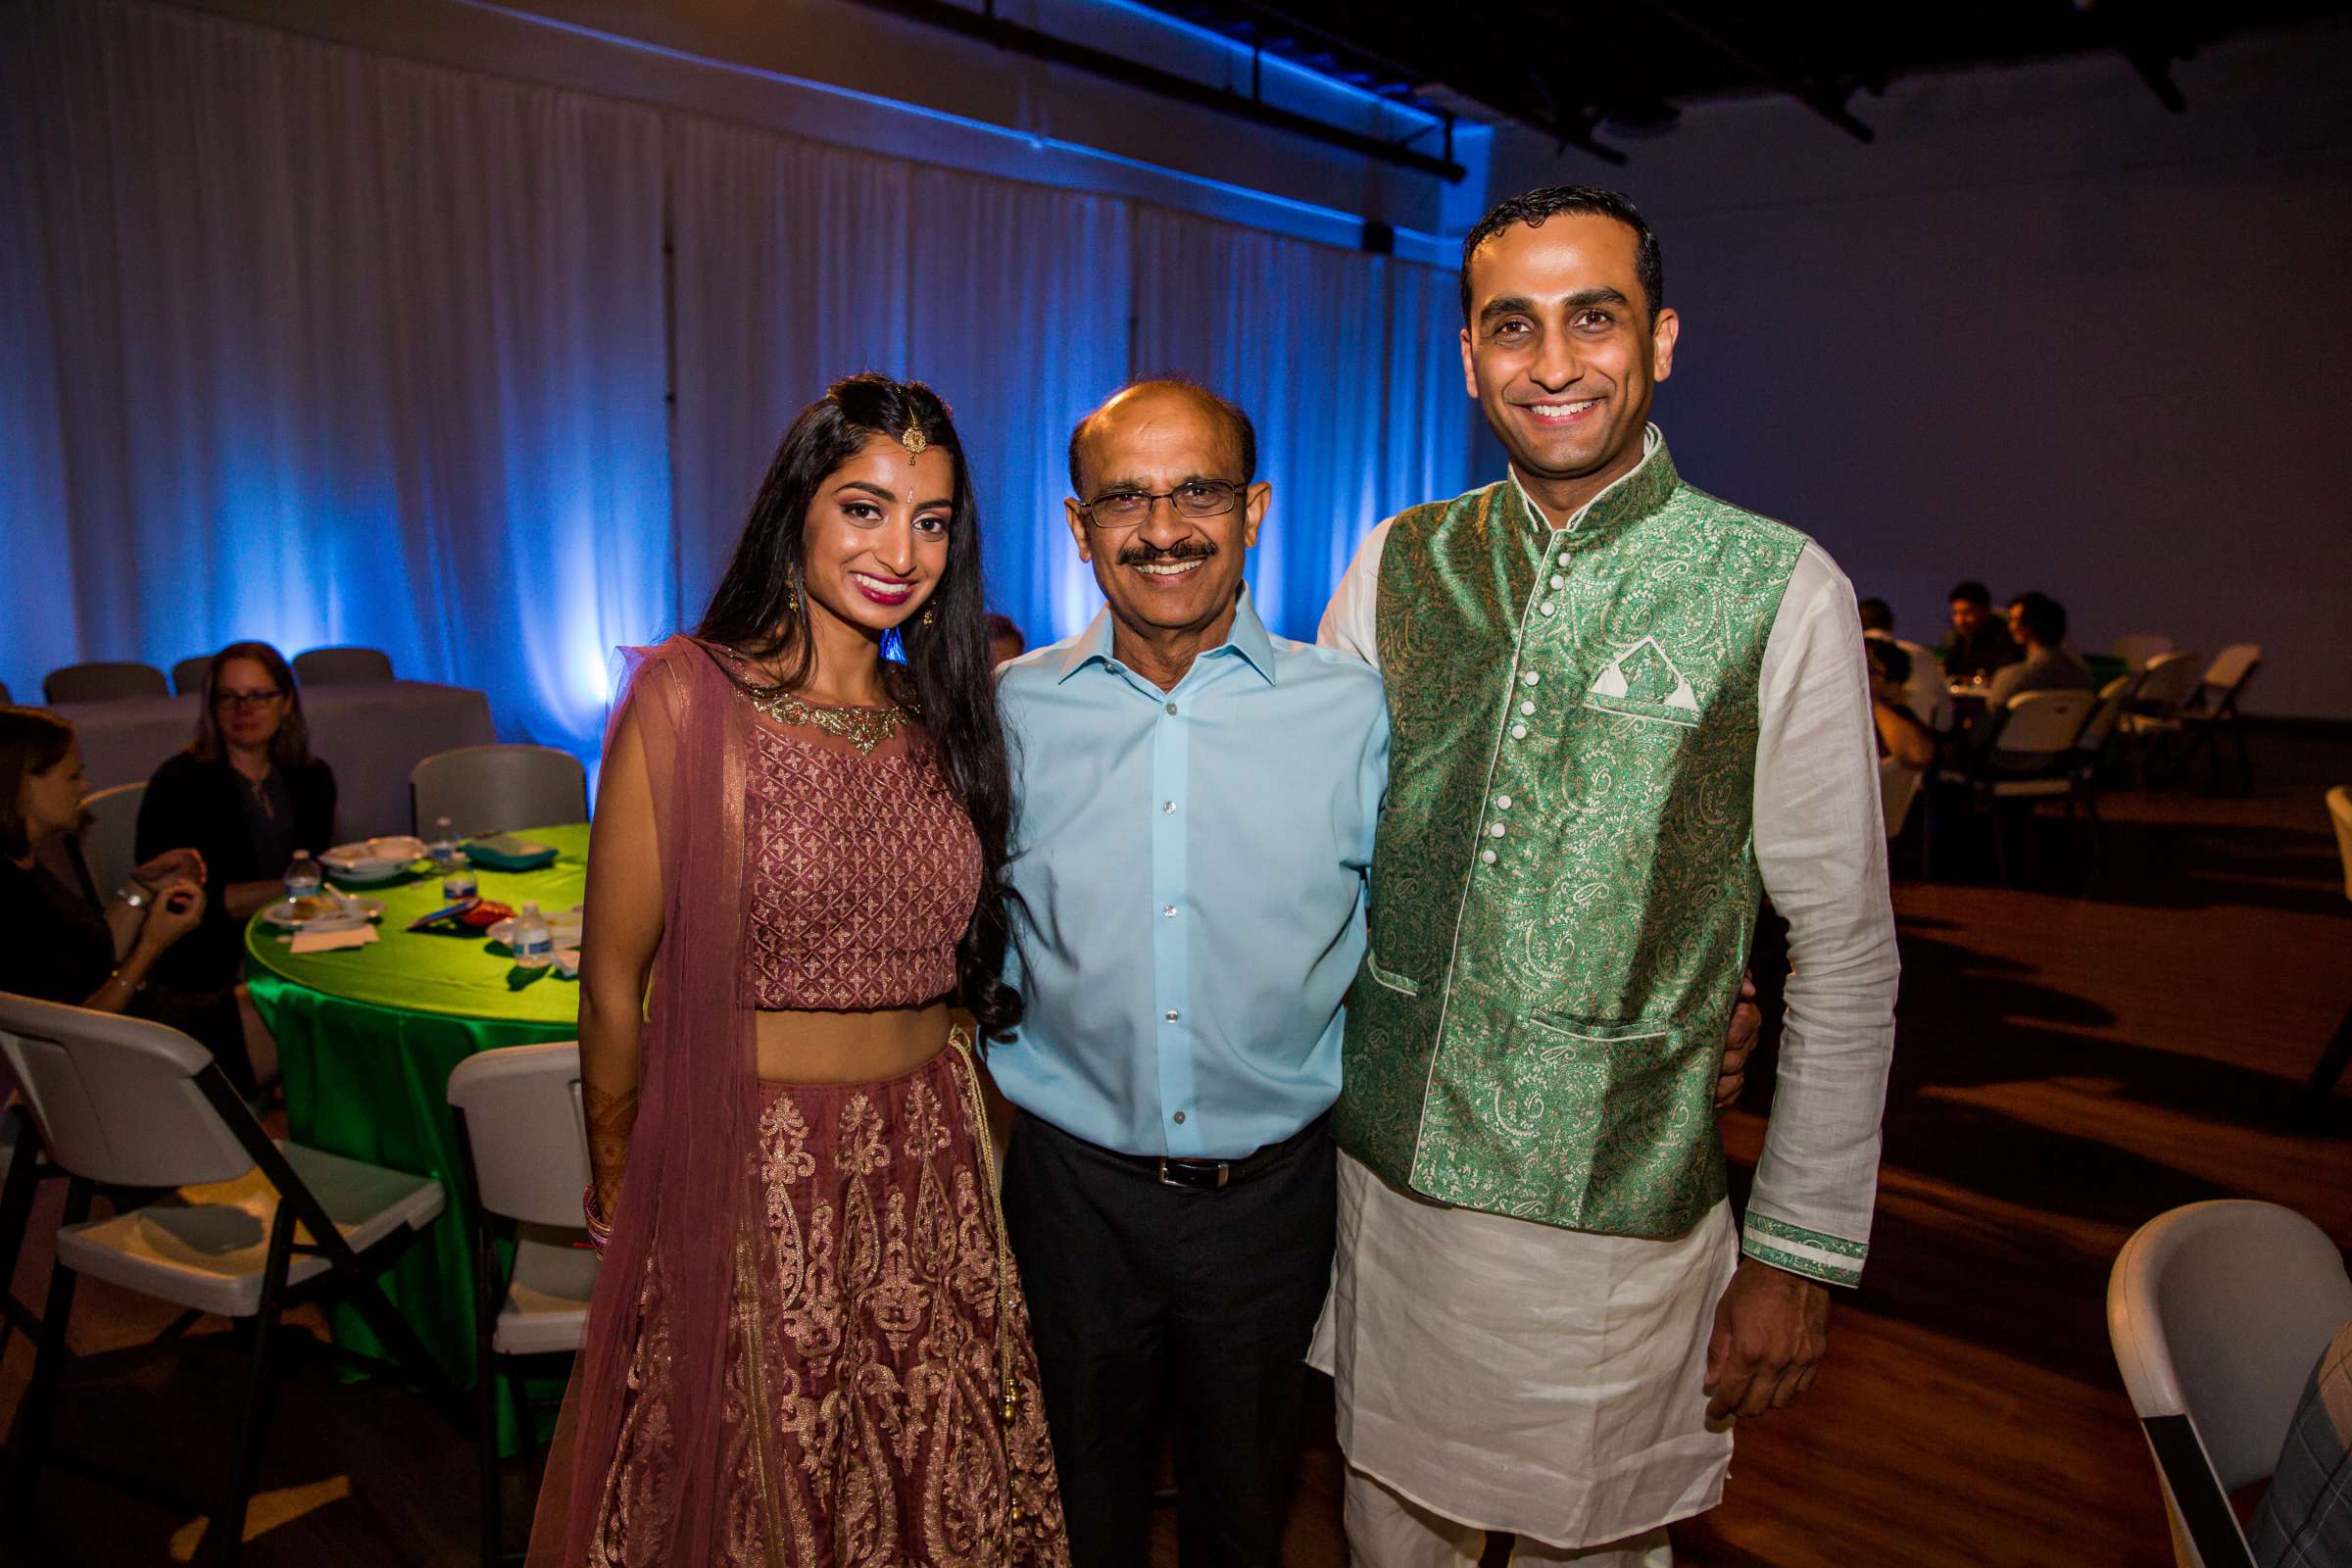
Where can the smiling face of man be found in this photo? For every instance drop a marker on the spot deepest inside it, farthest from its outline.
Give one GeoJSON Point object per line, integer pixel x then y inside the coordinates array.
{"type": "Point", "coordinates": [1170, 565]}
{"type": "Point", "coordinates": [1563, 353]}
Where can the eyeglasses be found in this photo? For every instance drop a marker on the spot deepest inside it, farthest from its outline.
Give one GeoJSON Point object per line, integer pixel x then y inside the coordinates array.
{"type": "Point", "coordinates": [260, 697]}
{"type": "Point", "coordinates": [1195, 498]}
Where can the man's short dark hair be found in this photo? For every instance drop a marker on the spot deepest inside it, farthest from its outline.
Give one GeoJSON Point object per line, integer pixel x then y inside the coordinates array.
{"type": "Point", "coordinates": [1001, 627]}
{"type": "Point", "coordinates": [1533, 207]}
{"type": "Point", "coordinates": [1892, 661]}
{"type": "Point", "coordinates": [2042, 617]}
{"type": "Point", "coordinates": [1877, 614]}
{"type": "Point", "coordinates": [1237, 423]}
{"type": "Point", "coordinates": [1971, 592]}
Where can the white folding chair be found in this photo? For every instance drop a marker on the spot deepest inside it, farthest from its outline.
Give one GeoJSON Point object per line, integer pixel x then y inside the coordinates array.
{"type": "Point", "coordinates": [523, 1147]}
{"type": "Point", "coordinates": [2139, 647]}
{"type": "Point", "coordinates": [109, 842]}
{"type": "Point", "coordinates": [2218, 1312]}
{"type": "Point", "coordinates": [103, 681]}
{"type": "Point", "coordinates": [498, 789]}
{"type": "Point", "coordinates": [2321, 1089]}
{"type": "Point", "coordinates": [2154, 717]}
{"type": "Point", "coordinates": [2214, 712]}
{"type": "Point", "coordinates": [341, 667]}
{"type": "Point", "coordinates": [2030, 758]}
{"type": "Point", "coordinates": [244, 1224]}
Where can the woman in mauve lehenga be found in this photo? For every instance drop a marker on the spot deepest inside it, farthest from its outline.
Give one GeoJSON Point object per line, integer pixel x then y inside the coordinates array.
{"type": "Point", "coordinates": [807, 1345]}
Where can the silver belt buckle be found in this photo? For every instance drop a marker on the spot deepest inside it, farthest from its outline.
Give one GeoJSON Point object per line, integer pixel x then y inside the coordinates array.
{"type": "Point", "coordinates": [1224, 1174]}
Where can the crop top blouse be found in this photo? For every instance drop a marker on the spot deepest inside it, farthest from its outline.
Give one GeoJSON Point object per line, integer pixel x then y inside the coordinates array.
{"type": "Point", "coordinates": [863, 868]}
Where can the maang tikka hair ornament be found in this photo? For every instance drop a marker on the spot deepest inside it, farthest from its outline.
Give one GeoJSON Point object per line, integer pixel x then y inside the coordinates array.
{"type": "Point", "coordinates": [914, 441]}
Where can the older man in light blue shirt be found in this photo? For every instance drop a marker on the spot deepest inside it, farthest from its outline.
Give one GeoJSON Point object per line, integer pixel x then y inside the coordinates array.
{"type": "Point", "coordinates": [1196, 802]}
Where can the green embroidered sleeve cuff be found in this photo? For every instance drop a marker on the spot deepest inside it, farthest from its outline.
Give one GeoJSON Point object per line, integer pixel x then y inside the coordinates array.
{"type": "Point", "coordinates": [1830, 1260]}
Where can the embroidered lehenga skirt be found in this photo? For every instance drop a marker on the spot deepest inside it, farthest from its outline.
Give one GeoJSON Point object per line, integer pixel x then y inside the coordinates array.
{"type": "Point", "coordinates": [865, 1419]}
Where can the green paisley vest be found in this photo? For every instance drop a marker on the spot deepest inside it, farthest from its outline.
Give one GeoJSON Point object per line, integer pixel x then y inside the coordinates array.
{"type": "Point", "coordinates": [1565, 882]}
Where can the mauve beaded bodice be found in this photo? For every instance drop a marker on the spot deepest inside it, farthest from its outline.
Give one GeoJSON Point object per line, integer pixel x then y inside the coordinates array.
{"type": "Point", "coordinates": [863, 872]}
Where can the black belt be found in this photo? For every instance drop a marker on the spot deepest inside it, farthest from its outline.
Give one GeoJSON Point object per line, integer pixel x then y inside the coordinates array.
{"type": "Point", "coordinates": [1212, 1175]}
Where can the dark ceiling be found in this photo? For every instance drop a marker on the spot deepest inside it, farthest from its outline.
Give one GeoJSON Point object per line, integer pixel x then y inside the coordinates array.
{"type": "Point", "coordinates": [1603, 74]}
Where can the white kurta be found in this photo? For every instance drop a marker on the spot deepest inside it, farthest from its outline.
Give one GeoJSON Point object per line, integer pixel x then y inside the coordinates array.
{"type": "Point", "coordinates": [1519, 1376]}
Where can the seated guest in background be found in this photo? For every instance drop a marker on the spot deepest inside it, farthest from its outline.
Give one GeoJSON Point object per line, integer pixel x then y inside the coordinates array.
{"type": "Point", "coordinates": [1979, 643]}
{"type": "Point", "coordinates": [1902, 738]}
{"type": "Point", "coordinates": [1005, 639]}
{"type": "Point", "coordinates": [1922, 690]}
{"type": "Point", "coordinates": [246, 794]}
{"type": "Point", "coordinates": [58, 944]}
{"type": "Point", "coordinates": [2039, 622]}
{"type": "Point", "coordinates": [2305, 1518]}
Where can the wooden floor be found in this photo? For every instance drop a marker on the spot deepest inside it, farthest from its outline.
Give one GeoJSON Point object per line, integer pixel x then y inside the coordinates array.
{"type": "Point", "coordinates": [2069, 1062]}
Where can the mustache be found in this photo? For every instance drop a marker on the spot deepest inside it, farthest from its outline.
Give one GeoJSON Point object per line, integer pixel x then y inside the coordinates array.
{"type": "Point", "coordinates": [1139, 553]}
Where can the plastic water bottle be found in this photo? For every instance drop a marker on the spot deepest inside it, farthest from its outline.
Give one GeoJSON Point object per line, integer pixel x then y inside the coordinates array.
{"type": "Point", "coordinates": [534, 940]}
{"type": "Point", "coordinates": [444, 847]}
{"type": "Point", "coordinates": [457, 883]}
{"type": "Point", "coordinates": [303, 875]}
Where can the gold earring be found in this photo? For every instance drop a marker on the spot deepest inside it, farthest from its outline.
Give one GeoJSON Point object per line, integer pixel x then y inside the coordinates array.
{"type": "Point", "coordinates": [795, 603]}
{"type": "Point", "coordinates": [929, 615]}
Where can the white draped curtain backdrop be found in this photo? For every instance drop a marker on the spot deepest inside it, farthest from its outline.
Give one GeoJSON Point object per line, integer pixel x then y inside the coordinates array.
{"type": "Point", "coordinates": [320, 345]}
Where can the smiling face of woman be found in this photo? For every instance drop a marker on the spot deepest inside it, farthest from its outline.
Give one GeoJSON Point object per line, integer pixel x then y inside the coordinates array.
{"type": "Point", "coordinates": [49, 804]}
{"type": "Point", "coordinates": [875, 543]}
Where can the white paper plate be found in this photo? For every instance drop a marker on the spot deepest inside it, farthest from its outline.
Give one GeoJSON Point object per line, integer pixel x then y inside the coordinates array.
{"type": "Point", "coordinates": [565, 924]}
{"type": "Point", "coordinates": [373, 859]}
{"type": "Point", "coordinates": [282, 914]}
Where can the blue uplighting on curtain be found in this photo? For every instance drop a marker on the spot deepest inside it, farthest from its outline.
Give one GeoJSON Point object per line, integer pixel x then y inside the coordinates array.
{"type": "Point", "coordinates": [308, 344]}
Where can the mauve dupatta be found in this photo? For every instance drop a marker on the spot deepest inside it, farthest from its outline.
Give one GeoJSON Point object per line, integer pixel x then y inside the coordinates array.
{"type": "Point", "coordinates": [688, 1185]}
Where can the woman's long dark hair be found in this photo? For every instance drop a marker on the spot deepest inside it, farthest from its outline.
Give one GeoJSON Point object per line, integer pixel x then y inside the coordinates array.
{"type": "Point", "coordinates": [759, 610]}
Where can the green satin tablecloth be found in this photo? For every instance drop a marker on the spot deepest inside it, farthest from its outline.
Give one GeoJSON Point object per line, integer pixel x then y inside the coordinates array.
{"type": "Point", "coordinates": [366, 1037]}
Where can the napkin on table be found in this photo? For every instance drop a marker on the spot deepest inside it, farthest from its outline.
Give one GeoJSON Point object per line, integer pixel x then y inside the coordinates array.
{"type": "Point", "coordinates": [330, 941]}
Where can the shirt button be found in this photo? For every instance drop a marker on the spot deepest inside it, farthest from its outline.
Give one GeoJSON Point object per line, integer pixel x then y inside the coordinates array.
{"type": "Point", "coordinates": [1180, 1118]}
{"type": "Point", "coordinates": [1532, 678]}
{"type": "Point", "coordinates": [1170, 1016]}
{"type": "Point", "coordinates": [1169, 807]}
{"type": "Point", "coordinates": [1544, 607]}
{"type": "Point", "coordinates": [1168, 911]}
{"type": "Point", "coordinates": [1496, 830]}
{"type": "Point", "coordinates": [1518, 732]}
{"type": "Point", "coordinates": [1558, 582]}
{"type": "Point", "coordinates": [1529, 709]}
{"type": "Point", "coordinates": [1487, 855]}
{"type": "Point", "coordinates": [1503, 800]}
{"type": "Point", "coordinates": [1171, 708]}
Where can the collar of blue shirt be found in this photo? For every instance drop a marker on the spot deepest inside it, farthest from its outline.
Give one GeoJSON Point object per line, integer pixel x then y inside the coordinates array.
{"type": "Point", "coordinates": [1246, 641]}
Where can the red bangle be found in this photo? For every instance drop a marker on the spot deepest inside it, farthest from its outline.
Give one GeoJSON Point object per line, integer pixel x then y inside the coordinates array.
{"type": "Point", "coordinates": [600, 1229]}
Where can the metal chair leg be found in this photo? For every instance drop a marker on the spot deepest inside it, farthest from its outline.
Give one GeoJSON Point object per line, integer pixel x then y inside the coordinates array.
{"type": "Point", "coordinates": [225, 1539]}
{"type": "Point", "coordinates": [33, 1416]}
{"type": "Point", "coordinates": [16, 1214]}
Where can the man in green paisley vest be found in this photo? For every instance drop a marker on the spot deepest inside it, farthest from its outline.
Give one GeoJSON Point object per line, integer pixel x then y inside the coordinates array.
{"type": "Point", "coordinates": [1622, 709]}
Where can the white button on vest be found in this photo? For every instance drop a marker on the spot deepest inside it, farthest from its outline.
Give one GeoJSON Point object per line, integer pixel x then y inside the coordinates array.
{"type": "Point", "coordinates": [1544, 607]}
{"type": "Point", "coordinates": [1518, 732]}
{"type": "Point", "coordinates": [1503, 800]}
{"type": "Point", "coordinates": [1531, 678]}
{"type": "Point", "coordinates": [1487, 855]}
{"type": "Point", "coordinates": [1558, 582]}
{"type": "Point", "coordinates": [1496, 830]}
{"type": "Point", "coordinates": [1529, 709]}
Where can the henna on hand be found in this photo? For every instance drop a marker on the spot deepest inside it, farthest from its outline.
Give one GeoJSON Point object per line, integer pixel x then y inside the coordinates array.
{"type": "Point", "coordinates": [610, 1118]}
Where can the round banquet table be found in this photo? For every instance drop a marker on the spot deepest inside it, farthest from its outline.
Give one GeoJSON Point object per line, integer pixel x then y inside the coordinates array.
{"type": "Point", "coordinates": [366, 1037]}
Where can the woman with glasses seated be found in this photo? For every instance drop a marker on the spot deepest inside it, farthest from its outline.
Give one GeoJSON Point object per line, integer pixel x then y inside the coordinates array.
{"type": "Point", "coordinates": [246, 794]}
{"type": "Point", "coordinates": [60, 942]}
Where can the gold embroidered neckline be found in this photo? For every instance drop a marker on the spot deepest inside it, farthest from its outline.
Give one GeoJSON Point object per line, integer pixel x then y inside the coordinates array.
{"type": "Point", "coordinates": [865, 728]}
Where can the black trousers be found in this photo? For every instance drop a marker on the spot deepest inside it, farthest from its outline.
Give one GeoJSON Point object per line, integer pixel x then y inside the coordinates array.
{"type": "Point", "coordinates": [1153, 1303]}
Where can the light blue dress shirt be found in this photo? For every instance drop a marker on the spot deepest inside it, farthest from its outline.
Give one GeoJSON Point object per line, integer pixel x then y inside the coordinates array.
{"type": "Point", "coordinates": [1194, 863]}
